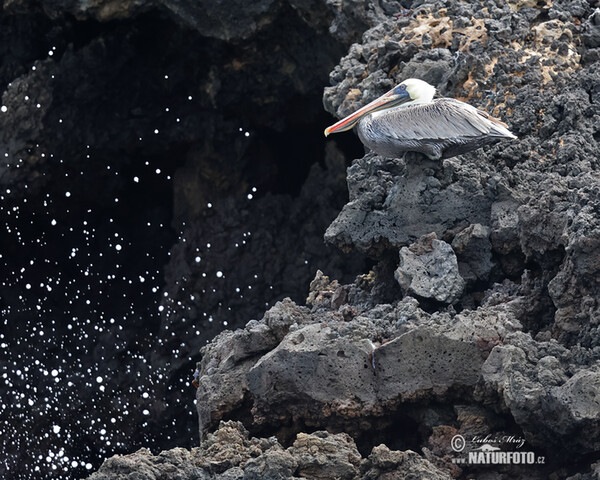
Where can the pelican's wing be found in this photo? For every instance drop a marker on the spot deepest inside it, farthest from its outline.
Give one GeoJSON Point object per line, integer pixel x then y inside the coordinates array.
{"type": "Point", "coordinates": [444, 118]}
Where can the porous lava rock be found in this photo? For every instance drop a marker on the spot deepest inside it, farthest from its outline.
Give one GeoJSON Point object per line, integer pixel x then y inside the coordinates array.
{"type": "Point", "coordinates": [230, 453]}
{"type": "Point", "coordinates": [361, 377]}
{"type": "Point", "coordinates": [516, 357]}
{"type": "Point", "coordinates": [474, 251]}
{"type": "Point", "coordinates": [532, 66]}
{"type": "Point", "coordinates": [348, 366]}
{"type": "Point", "coordinates": [429, 269]}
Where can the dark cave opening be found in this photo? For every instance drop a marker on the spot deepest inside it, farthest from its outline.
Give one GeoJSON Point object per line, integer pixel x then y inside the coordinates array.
{"type": "Point", "coordinates": [398, 433]}
{"type": "Point", "coordinates": [278, 162]}
{"type": "Point", "coordinates": [90, 231]}
{"type": "Point", "coordinates": [349, 144]}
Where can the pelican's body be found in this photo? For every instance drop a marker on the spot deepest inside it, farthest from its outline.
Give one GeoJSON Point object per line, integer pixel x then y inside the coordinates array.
{"type": "Point", "coordinates": [408, 119]}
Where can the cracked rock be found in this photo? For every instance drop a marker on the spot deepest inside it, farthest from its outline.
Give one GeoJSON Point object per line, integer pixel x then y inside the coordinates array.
{"type": "Point", "coordinates": [429, 269]}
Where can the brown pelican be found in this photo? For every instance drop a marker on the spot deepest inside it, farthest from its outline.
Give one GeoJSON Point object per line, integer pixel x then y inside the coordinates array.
{"type": "Point", "coordinates": [408, 119]}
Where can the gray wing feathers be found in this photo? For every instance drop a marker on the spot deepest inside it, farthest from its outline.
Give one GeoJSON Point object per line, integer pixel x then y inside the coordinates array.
{"type": "Point", "coordinates": [443, 118]}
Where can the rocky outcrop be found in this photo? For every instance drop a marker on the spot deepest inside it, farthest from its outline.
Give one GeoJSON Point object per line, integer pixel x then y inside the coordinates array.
{"type": "Point", "coordinates": [507, 235]}
{"type": "Point", "coordinates": [393, 203]}
{"type": "Point", "coordinates": [230, 453]}
{"type": "Point", "coordinates": [474, 335]}
{"type": "Point", "coordinates": [357, 368]}
{"type": "Point", "coordinates": [428, 269]}
{"type": "Point", "coordinates": [548, 392]}
{"type": "Point", "coordinates": [534, 195]}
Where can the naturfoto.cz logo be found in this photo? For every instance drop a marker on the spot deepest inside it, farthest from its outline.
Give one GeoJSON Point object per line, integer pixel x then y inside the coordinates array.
{"type": "Point", "coordinates": [488, 454]}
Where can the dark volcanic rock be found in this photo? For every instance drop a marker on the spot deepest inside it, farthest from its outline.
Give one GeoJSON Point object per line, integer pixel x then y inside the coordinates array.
{"type": "Point", "coordinates": [519, 360]}
{"type": "Point", "coordinates": [102, 10]}
{"type": "Point", "coordinates": [548, 393]}
{"type": "Point", "coordinates": [230, 453]}
{"type": "Point", "coordinates": [394, 202]}
{"type": "Point", "coordinates": [210, 97]}
{"type": "Point", "coordinates": [315, 368]}
{"type": "Point", "coordinates": [535, 195]}
{"type": "Point", "coordinates": [474, 251]}
{"type": "Point", "coordinates": [428, 269]}
{"type": "Point", "coordinates": [298, 369]}
{"type": "Point", "coordinates": [226, 20]}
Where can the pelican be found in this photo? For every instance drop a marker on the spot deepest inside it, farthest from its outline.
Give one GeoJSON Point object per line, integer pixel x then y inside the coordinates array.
{"type": "Point", "coordinates": [408, 119]}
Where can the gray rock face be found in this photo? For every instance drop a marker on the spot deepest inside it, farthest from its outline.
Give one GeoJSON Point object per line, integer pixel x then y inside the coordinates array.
{"type": "Point", "coordinates": [227, 360]}
{"type": "Point", "coordinates": [322, 370]}
{"type": "Point", "coordinates": [142, 464]}
{"type": "Point", "coordinates": [547, 392]}
{"type": "Point", "coordinates": [319, 369]}
{"type": "Point", "coordinates": [394, 202]}
{"type": "Point", "coordinates": [520, 209]}
{"type": "Point", "coordinates": [230, 453]}
{"type": "Point", "coordinates": [507, 236]}
{"type": "Point", "coordinates": [429, 269]}
{"type": "Point", "coordinates": [326, 371]}
{"type": "Point", "coordinates": [526, 192]}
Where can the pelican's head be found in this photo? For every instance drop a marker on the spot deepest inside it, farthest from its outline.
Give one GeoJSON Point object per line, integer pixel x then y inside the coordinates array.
{"type": "Point", "coordinates": [419, 90]}
{"type": "Point", "coordinates": [411, 90]}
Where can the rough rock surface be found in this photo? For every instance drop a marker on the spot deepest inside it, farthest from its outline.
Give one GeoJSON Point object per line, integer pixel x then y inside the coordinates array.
{"type": "Point", "coordinates": [368, 380]}
{"type": "Point", "coordinates": [513, 364]}
{"type": "Point", "coordinates": [230, 453]}
{"type": "Point", "coordinates": [530, 65]}
{"type": "Point", "coordinates": [474, 251]}
{"type": "Point", "coordinates": [429, 269]}
{"type": "Point", "coordinates": [393, 203]}
{"type": "Point", "coordinates": [351, 366]}
{"type": "Point", "coordinates": [548, 392]}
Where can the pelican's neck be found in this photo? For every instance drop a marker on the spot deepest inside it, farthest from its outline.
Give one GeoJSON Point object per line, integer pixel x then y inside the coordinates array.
{"type": "Point", "coordinates": [385, 111]}
{"type": "Point", "coordinates": [419, 100]}
{"type": "Point", "coordinates": [424, 93]}
{"type": "Point", "coordinates": [379, 113]}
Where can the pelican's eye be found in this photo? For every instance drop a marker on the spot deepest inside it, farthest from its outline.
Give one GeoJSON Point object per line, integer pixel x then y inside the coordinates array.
{"type": "Point", "coordinates": [400, 89]}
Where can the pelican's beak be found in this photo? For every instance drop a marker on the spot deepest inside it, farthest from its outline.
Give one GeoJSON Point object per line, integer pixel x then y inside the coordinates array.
{"type": "Point", "coordinates": [387, 100]}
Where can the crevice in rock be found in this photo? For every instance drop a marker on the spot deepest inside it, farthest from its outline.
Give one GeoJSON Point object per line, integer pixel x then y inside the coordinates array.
{"type": "Point", "coordinates": [473, 295]}
{"type": "Point", "coordinates": [431, 305]}
{"type": "Point", "coordinates": [573, 467]}
{"type": "Point", "coordinates": [409, 425]}
{"type": "Point", "coordinates": [546, 264]}
{"type": "Point", "coordinates": [386, 289]}
{"type": "Point", "coordinates": [512, 265]}
{"type": "Point", "coordinates": [399, 432]}
{"type": "Point", "coordinates": [543, 15]}
{"type": "Point", "coordinates": [242, 413]}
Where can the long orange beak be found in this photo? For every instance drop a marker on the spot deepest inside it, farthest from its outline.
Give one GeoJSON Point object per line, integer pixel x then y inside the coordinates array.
{"type": "Point", "coordinates": [387, 100]}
